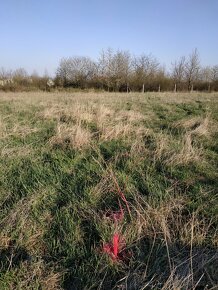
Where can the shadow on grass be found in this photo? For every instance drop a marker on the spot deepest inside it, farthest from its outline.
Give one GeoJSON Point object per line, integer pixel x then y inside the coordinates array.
{"type": "Point", "coordinates": [12, 256]}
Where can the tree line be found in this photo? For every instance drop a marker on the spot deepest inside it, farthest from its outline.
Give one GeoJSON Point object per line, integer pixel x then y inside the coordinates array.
{"type": "Point", "coordinates": [119, 71]}
{"type": "Point", "coordinates": [20, 80]}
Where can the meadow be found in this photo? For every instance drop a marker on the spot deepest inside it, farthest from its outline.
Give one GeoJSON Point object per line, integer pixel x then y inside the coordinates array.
{"type": "Point", "coordinates": [108, 190]}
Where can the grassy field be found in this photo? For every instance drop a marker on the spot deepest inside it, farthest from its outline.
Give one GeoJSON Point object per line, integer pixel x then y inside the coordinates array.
{"type": "Point", "coordinates": [108, 191]}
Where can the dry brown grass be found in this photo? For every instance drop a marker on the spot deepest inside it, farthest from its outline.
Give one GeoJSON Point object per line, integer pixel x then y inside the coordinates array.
{"type": "Point", "coordinates": [5, 240]}
{"type": "Point", "coordinates": [177, 152]}
{"type": "Point", "coordinates": [184, 153]}
{"type": "Point", "coordinates": [74, 112]}
{"type": "Point", "coordinates": [117, 99]}
{"type": "Point", "coordinates": [74, 136]}
{"type": "Point", "coordinates": [52, 112]}
{"type": "Point", "coordinates": [30, 232]}
{"type": "Point", "coordinates": [51, 280]}
{"type": "Point", "coordinates": [31, 275]}
{"type": "Point", "coordinates": [103, 114]}
{"type": "Point", "coordinates": [129, 116]}
{"type": "Point", "coordinates": [195, 230]}
{"type": "Point", "coordinates": [2, 128]}
{"type": "Point", "coordinates": [18, 151]}
{"type": "Point", "coordinates": [115, 132]}
{"type": "Point", "coordinates": [190, 263]}
{"type": "Point", "coordinates": [110, 124]}
{"type": "Point", "coordinates": [200, 126]}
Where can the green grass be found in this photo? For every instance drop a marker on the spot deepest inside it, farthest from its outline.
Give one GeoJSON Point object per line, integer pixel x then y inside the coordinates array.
{"type": "Point", "coordinates": [57, 194]}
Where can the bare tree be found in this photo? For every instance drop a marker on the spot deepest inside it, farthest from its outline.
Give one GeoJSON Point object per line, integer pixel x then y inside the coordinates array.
{"type": "Point", "coordinates": [114, 68]}
{"type": "Point", "coordinates": [20, 74]}
{"type": "Point", "coordinates": [119, 71]}
{"type": "Point", "coordinates": [144, 69]}
{"type": "Point", "coordinates": [63, 72]}
{"type": "Point", "coordinates": [178, 72]}
{"type": "Point", "coordinates": [192, 67]}
{"type": "Point", "coordinates": [76, 71]}
{"type": "Point", "coordinates": [21, 78]}
{"type": "Point", "coordinates": [121, 68]}
{"type": "Point", "coordinates": [206, 76]}
{"type": "Point", "coordinates": [105, 69]}
{"type": "Point", "coordinates": [214, 70]}
{"type": "Point", "coordinates": [5, 74]}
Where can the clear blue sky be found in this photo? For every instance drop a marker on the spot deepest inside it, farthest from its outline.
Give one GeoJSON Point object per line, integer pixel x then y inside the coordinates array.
{"type": "Point", "coordinates": [36, 34]}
